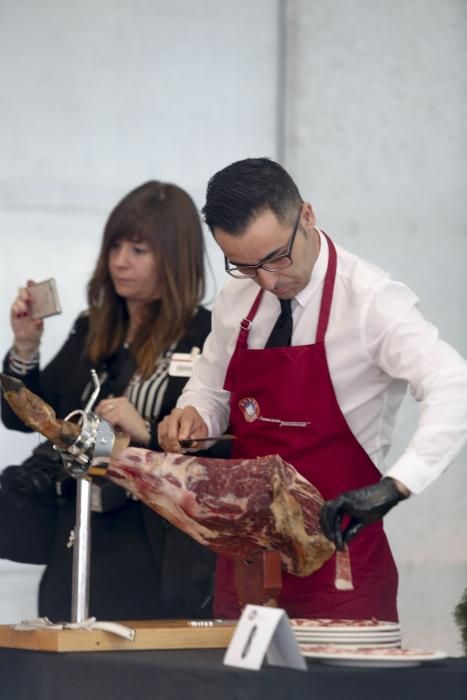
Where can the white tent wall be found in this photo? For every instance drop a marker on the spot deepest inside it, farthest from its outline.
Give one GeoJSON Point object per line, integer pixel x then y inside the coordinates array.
{"type": "Point", "coordinates": [376, 135]}
{"type": "Point", "coordinates": [97, 97]}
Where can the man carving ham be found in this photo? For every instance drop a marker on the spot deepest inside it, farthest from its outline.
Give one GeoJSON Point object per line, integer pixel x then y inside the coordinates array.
{"type": "Point", "coordinates": [327, 402]}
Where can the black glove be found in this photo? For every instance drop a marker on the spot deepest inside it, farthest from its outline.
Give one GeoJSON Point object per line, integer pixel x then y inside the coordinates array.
{"type": "Point", "coordinates": [364, 506]}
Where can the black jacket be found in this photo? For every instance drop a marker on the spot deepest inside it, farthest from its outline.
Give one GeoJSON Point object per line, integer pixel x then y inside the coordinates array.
{"type": "Point", "coordinates": [141, 566]}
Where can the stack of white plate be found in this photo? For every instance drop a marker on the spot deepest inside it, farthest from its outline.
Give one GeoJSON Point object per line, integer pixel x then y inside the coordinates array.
{"type": "Point", "coordinates": [354, 633]}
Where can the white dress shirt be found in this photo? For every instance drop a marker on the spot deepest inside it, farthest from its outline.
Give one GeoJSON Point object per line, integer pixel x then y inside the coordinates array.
{"type": "Point", "coordinates": [377, 344]}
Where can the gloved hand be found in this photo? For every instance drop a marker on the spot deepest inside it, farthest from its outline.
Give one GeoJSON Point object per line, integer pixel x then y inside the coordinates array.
{"type": "Point", "coordinates": [364, 506]}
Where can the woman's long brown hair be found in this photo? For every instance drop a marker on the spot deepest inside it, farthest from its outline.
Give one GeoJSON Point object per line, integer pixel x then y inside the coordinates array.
{"type": "Point", "coordinates": [165, 218]}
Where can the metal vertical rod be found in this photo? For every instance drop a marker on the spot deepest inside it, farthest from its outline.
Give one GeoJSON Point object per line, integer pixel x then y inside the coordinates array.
{"type": "Point", "coordinates": [82, 539]}
{"type": "Point", "coordinates": [81, 552]}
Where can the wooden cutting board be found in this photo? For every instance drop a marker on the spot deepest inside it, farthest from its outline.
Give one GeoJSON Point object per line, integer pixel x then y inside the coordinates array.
{"type": "Point", "coordinates": [150, 634]}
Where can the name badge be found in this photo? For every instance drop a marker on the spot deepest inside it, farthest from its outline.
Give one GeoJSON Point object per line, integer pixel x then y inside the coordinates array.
{"type": "Point", "coordinates": [182, 363]}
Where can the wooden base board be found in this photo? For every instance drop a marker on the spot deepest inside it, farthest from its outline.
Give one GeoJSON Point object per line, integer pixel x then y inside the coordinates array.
{"type": "Point", "coordinates": [150, 634]}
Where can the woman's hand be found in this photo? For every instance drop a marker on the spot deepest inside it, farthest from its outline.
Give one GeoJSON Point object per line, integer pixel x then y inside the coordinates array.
{"type": "Point", "coordinates": [27, 331]}
{"type": "Point", "coordinates": [120, 413]}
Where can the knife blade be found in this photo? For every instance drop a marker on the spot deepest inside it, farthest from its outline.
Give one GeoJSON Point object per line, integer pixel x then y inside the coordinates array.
{"type": "Point", "coordinates": [200, 443]}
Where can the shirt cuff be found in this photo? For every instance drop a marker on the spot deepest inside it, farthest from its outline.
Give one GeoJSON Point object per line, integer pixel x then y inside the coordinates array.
{"type": "Point", "coordinates": [214, 426]}
{"type": "Point", "coordinates": [22, 367]}
{"type": "Point", "coordinates": [413, 472]}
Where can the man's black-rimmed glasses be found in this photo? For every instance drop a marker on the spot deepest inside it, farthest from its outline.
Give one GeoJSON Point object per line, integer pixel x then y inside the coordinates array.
{"type": "Point", "coordinates": [272, 264]}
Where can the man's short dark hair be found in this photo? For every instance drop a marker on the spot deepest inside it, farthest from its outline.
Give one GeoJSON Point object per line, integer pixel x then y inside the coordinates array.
{"type": "Point", "coordinates": [240, 192]}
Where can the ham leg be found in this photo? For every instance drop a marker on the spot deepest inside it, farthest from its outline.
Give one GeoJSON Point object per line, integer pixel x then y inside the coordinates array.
{"type": "Point", "coordinates": [235, 507]}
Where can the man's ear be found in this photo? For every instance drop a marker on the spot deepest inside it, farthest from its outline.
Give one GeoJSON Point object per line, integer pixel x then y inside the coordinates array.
{"type": "Point", "coordinates": [308, 216]}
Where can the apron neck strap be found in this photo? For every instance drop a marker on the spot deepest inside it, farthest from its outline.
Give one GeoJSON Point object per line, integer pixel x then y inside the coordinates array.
{"type": "Point", "coordinates": [245, 325]}
{"type": "Point", "coordinates": [242, 342]}
{"type": "Point", "coordinates": [328, 289]}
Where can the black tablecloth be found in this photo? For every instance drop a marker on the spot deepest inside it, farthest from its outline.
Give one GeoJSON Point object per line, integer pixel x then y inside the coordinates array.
{"type": "Point", "coordinates": [200, 675]}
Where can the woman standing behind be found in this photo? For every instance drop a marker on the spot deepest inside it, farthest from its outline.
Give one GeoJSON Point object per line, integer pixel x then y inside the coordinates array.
{"type": "Point", "coordinates": [143, 298]}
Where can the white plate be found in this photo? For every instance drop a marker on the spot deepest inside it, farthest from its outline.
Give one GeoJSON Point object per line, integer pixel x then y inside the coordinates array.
{"type": "Point", "coordinates": [347, 633]}
{"type": "Point", "coordinates": [353, 626]}
{"type": "Point", "coordinates": [346, 639]}
{"type": "Point", "coordinates": [354, 645]}
{"type": "Point", "coordinates": [359, 644]}
{"type": "Point", "coordinates": [371, 656]}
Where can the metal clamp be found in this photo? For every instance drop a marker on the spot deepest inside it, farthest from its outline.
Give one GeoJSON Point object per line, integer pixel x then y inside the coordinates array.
{"type": "Point", "coordinates": [92, 447]}
{"type": "Point", "coordinates": [94, 444]}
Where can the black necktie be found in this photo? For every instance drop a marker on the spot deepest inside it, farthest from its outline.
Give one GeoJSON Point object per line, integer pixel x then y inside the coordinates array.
{"type": "Point", "coordinates": [281, 334]}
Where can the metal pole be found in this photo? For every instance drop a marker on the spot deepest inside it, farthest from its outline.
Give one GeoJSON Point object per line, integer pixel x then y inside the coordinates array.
{"type": "Point", "coordinates": [81, 552]}
{"type": "Point", "coordinates": [82, 538]}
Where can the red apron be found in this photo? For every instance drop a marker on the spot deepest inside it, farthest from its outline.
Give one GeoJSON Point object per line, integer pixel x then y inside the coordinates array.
{"type": "Point", "coordinates": [283, 401]}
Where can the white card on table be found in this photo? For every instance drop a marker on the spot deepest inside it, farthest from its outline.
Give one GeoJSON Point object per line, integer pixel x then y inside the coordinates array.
{"type": "Point", "coordinates": [261, 632]}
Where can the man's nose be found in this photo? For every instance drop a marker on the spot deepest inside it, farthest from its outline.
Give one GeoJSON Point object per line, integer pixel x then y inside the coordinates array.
{"type": "Point", "coordinates": [266, 279]}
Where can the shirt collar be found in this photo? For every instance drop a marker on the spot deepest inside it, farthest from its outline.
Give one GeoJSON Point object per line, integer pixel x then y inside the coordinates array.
{"type": "Point", "coordinates": [317, 274]}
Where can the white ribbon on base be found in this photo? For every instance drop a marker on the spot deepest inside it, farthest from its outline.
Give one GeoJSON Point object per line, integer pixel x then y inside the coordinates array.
{"type": "Point", "coordinates": [88, 625]}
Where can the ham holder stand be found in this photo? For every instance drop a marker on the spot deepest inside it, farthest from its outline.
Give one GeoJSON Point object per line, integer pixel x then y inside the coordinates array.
{"type": "Point", "coordinates": [257, 582]}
